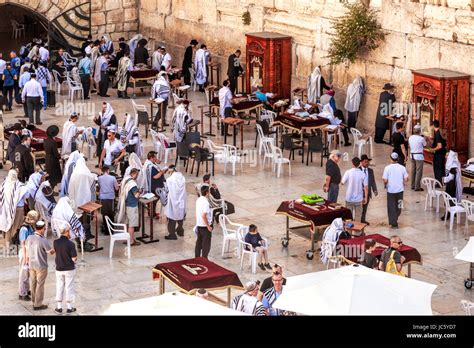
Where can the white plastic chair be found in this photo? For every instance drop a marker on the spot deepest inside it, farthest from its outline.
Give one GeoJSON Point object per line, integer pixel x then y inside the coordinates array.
{"type": "Point", "coordinates": [263, 139]}
{"type": "Point", "coordinates": [247, 249]}
{"type": "Point", "coordinates": [432, 192]}
{"type": "Point", "coordinates": [470, 160]}
{"type": "Point", "coordinates": [74, 87]}
{"type": "Point", "coordinates": [119, 233]}
{"type": "Point", "coordinates": [334, 137]}
{"type": "Point", "coordinates": [231, 156]}
{"type": "Point", "coordinates": [192, 72]}
{"type": "Point", "coordinates": [454, 210]}
{"type": "Point", "coordinates": [468, 307]}
{"type": "Point", "coordinates": [217, 150]}
{"type": "Point", "coordinates": [69, 59]}
{"type": "Point", "coordinates": [469, 208]}
{"type": "Point", "coordinates": [176, 99]}
{"type": "Point", "coordinates": [278, 160]}
{"type": "Point", "coordinates": [18, 30]}
{"type": "Point", "coordinates": [229, 230]}
{"type": "Point", "coordinates": [360, 143]}
{"type": "Point", "coordinates": [159, 144]}
{"type": "Point", "coordinates": [268, 153]}
{"type": "Point", "coordinates": [57, 77]}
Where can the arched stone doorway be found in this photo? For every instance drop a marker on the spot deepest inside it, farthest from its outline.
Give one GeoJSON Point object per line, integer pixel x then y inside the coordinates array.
{"type": "Point", "coordinates": [63, 23]}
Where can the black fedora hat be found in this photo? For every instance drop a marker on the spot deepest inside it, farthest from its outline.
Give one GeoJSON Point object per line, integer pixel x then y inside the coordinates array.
{"type": "Point", "coordinates": [193, 42]}
{"type": "Point", "coordinates": [52, 131]}
{"type": "Point", "coordinates": [388, 86]}
{"type": "Point", "coordinates": [365, 157]}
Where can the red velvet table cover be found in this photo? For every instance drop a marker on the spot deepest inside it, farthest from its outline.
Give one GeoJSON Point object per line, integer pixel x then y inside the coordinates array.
{"type": "Point", "coordinates": [37, 134]}
{"type": "Point", "coordinates": [209, 275]}
{"type": "Point", "coordinates": [240, 106]}
{"type": "Point", "coordinates": [411, 254]}
{"type": "Point", "coordinates": [299, 123]}
{"type": "Point", "coordinates": [143, 74]}
{"type": "Point", "coordinates": [306, 214]}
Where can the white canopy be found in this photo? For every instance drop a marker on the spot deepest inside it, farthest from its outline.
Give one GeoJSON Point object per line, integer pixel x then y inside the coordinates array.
{"type": "Point", "coordinates": [170, 303]}
{"type": "Point", "coordinates": [467, 254]}
{"type": "Point", "coordinates": [355, 290]}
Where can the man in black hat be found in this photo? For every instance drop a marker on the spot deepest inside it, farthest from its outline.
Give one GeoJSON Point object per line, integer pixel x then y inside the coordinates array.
{"type": "Point", "coordinates": [234, 69]}
{"type": "Point", "coordinates": [53, 166]}
{"type": "Point", "coordinates": [188, 61]}
{"type": "Point", "coordinates": [13, 141]}
{"type": "Point", "coordinates": [24, 159]}
{"type": "Point", "coordinates": [386, 103]}
{"type": "Point", "coordinates": [372, 187]}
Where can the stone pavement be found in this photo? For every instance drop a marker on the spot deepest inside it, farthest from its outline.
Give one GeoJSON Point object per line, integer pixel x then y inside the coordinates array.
{"type": "Point", "coordinates": [256, 192]}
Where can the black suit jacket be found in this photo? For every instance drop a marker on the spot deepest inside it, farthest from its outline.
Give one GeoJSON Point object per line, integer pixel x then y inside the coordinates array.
{"type": "Point", "coordinates": [372, 183]}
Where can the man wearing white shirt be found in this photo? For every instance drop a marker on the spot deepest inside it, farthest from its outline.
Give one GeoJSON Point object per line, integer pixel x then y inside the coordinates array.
{"type": "Point", "coordinates": [203, 224]}
{"type": "Point", "coordinates": [32, 95]}
{"type": "Point", "coordinates": [43, 53]}
{"type": "Point", "coordinates": [394, 177]}
{"type": "Point", "coordinates": [112, 152]}
{"type": "Point", "coordinates": [357, 189]}
{"type": "Point", "coordinates": [417, 142]}
{"type": "Point", "coordinates": [225, 105]}
{"type": "Point", "coordinates": [24, 78]}
{"type": "Point", "coordinates": [166, 61]}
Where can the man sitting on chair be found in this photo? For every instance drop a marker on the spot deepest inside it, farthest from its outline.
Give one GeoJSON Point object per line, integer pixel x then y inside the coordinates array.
{"type": "Point", "coordinates": [215, 199]}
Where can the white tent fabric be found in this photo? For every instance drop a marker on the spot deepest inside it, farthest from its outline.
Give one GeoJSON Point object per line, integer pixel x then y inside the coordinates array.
{"type": "Point", "coordinates": [170, 303]}
{"type": "Point", "coordinates": [355, 290]}
{"type": "Point", "coordinates": [467, 253]}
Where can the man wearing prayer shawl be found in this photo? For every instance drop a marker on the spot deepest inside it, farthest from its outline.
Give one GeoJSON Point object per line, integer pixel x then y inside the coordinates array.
{"type": "Point", "coordinates": [12, 195]}
{"type": "Point", "coordinates": [82, 185]}
{"type": "Point", "coordinates": [101, 74]}
{"type": "Point", "coordinates": [188, 61]}
{"type": "Point", "coordinates": [123, 75]}
{"type": "Point", "coordinates": [182, 117]}
{"type": "Point", "coordinates": [157, 59]}
{"type": "Point", "coordinates": [107, 45]}
{"type": "Point", "coordinates": [44, 201]}
{"type": "Point", "coordinates": [132, 44]}
{"type": "Point", "coordinates": [452, 180]}
{"type": "Point", "coordinates": [32, 187]}
{"type": "Point", "coordinates": [126, 212]}
{"type": "Point", "coordinates": [160, 92]}
{"type": "Point", "coordinates": [24, 159]}
{"type": "Point", "coordinates": [141, 53]}
{"type": "Point", "coordinates": [175, 209]}
{"type": "Point", "coordinates": [330, 238]}
{"type": "Point", "coordinates": [107, 121]}
{"type": "Point", "coordinates": [70, 134]}
{"type": "Point", "coordinates": [355, 91]}
{"type": "Point", "coordinates": [155, 178]}
{"type": "Point", "coordinates": [68, 169]}
{"type": "Point", "coordinates": [316, 86]}
{"type": "Point", "coordinates": [130, 135]}
{"type": "Point", "coordinates": [200, 67]}
{"type": "Point", "coordinates": [95, 55]}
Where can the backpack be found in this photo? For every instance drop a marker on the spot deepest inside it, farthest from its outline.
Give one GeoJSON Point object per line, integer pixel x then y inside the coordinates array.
{"type": "Point", "coordinates": [391, 266]}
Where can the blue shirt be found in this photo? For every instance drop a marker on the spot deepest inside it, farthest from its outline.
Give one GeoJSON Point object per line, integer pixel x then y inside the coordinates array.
{"type": "Point", "coordinates": [24, 78]}
{"type": "Point", "coordinates": [25, 232]}
{"type": "Point", "coordinates": [131, 200]}
{"type": "Point", "coordinates": [261, 96]}
{"type": "Point", "coordinates": [266, 304]}
{"type": "Point", "coordinates": [16, 63]}
{"type": "Point", "coordinates": [9, 74]}
{"type": "Point", "coordinates": [107, 184]}
{"type": "Point", "coordinates": [85, 66]}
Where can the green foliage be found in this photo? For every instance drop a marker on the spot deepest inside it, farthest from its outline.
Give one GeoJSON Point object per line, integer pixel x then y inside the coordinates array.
{"type": "Point", "coordinates": [356, 32]}
{"type": "Point", "coordinates": [246, 19]}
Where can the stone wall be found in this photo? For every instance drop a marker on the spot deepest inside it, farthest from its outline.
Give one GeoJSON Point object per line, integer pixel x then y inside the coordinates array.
{"type": "Point", "coordinates": [420, 34]}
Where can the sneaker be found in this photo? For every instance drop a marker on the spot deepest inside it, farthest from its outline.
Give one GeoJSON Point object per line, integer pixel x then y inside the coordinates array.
{"type": "Point", "coordinates": [267, 265]}
{"type": "Point", "coordinates": [262, 267]}
{"type": "Point", "coordinates": [135, 243]}
{"type": "Point", "coordinates": [58, 310]}
{"type": "Point", "coordinates": [72, 310]}
{"type": "Point", "coordinates": [40, 308]}
{"type": "Point", "coordinates": [24, 298]}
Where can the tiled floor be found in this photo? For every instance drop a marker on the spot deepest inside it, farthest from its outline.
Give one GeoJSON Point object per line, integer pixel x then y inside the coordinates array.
{"type": "Point", "coordinates": [256, 193]}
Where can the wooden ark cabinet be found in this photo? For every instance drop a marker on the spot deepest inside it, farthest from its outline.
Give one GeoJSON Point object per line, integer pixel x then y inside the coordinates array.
{"type": "Point", "coordinates": [443, 95]}
{"type": "Point", "coordinates": [269, 63]}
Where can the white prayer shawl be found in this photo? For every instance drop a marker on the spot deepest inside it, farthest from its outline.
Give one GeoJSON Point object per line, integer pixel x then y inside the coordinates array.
{"type": "Point", "coordinates": [453, 162]}
{"type": "Point", "coordinates": [70, 131]}
{"type": "Point", "coordinates": [166, 62]}
{"type": "Point", "coordinates": [47, 204]}
{"type": "Point", "coordinates": [82, 185]}
{"type": "Point", "coordinates": [97, 68]}
{"type": "Point", "coordinates": [107, 45]}
{"type": "Point", "coordinates": [105, 119]}
{"type": "Point", "coordinates": [200, 66]}
{"type": "Point", "coordinates": [177, 197]}
{"type": "Point", "coordinates": [328, 113]}
{"type": "Point", "coordinates": [63, 213]}
{"type": "Point", "coordinates": [181, 119]}
{"type": "Point", "coordinates": [248, 304]}
{"type": "Point", "coordinates": [127, 184]}
{"type": "Point", "coordinates": [354, 95]}
{"type": "Point", "coordinates": [123, 68]}
{"type": "Point", "coordinates": [33, 184]}
{"type": "Point", "coordinates": [68, 169]}
{"type": "Point", "coordinates": [11, 191]}
{"type": "Point", "coordinates": [132, 44]}
{"type": "Point", "coordinates": [34, 53]}
{"type": "Point", "coordinates": [331, 236]}
{"type": "Point", "coordinates": [225, 96]}
{"type": "Point", "coordinates": [95, 54]}
{"type": "Point", "coordinates": [156, 60]}
{"type": "Point", "coordinates": [161, 88]}
{"type": "Point", "coordinates": [314, 86]}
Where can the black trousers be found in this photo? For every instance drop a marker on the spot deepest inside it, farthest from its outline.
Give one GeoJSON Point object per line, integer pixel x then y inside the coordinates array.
{"type": "Point", "coordinates": [186, 75]}
{"type": "Point", "coordinates": [345, 135]}
{"type": "Point", "coordinates": [107, 210]}
{"type": "Point", "coordinates": [352, 119]}
{"type": "Point", "coordinates": [379, 134]}
{"type": "Point", "coordinates": [25, 109]}
{"type": "Point", "coordinates": [8, 95]}
{"type": "Point", "coordinates": [173, 230]}
{"type": "Point", "coordinates": [104, 83]}
{"type": "Point", "coordinates": [364, 210]}
{"type": "Point", "coordinates": [394, 207]}
{"type": "Point", "coordinates": [203, 242]}
{"type": "Point", "coordinates": [233, 83]}
{"type": "Point", "coordinates": [34, 106]}
{"type": "Point", "coordinates": [86, 85]}
{"type": "Point", "coordinates": [159, 116]}
{"type": "Point", "coordinates": [439, 167]}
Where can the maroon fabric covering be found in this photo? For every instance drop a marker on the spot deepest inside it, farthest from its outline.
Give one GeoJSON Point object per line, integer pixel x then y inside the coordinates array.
{"type": "Point", "coordinates": [299, 123]}
{"type": "Point", "coordinates": [143, 74]}
{"type": "Point", "coordinates": [323, 217]}
{"type": "Point", "coordinates": [242, 105]}
{"type": "Point", "coordinates": [38, 134]}
{"type": "Point", "coordinates": [209, 275]}
{"type": "Point", "coordinates": [352, 249]}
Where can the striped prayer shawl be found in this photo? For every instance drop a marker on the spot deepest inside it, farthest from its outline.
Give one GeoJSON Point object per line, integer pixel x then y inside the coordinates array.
{"type": "Point", "coordinates": [9, 197]}
{"type": "Point", "coordinates": [270, 295]}
{"type": "Point", "coordinates": [161, 89]}
{"type": "Point", "coordinates": [248, 304]}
